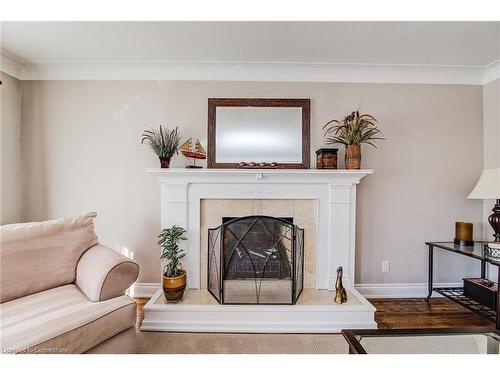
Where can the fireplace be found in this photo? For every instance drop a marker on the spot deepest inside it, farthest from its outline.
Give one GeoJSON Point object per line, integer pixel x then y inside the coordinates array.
{"type": "Point", "coordinates": [256, 260]}
{"type": "Point", "coordinates": [322, 202]}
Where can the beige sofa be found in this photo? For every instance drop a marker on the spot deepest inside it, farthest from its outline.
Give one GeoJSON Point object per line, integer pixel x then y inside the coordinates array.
{"type": "Point", "coordinates": [63, 292]}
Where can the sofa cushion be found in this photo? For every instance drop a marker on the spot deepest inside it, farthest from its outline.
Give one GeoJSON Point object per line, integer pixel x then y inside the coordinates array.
{"type": "Point", "coordinates": [39, 256]}
{"type": "Point", "coordinates": [102, 273]}
{"type": "Point", "coordinates": [62, 320]}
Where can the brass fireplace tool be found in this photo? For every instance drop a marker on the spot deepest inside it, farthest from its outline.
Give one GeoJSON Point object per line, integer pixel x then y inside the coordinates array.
{"type": "Point", "coordinates": [340, 293]}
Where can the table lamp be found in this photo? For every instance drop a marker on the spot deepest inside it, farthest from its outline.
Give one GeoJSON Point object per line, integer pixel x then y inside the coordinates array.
{"type": "Point", "coordinates": [488, 187]}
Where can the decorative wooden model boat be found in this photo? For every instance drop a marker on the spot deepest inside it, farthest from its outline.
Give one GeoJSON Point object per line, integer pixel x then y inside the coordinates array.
{"type": "Point", "coordinates": [193, 149]}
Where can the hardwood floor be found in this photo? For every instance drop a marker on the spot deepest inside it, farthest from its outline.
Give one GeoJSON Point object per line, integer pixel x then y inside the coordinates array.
{"type": "Point", "coordinates": [416, 313]}
{"type": "Point", "coordinates": [406, 313]}
{"type": "Point", "coordinates": [140, 311]}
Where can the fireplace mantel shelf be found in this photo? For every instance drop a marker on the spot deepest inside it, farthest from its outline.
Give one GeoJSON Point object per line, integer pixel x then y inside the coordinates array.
{"type": "Point", "coordinates": [309, 175]}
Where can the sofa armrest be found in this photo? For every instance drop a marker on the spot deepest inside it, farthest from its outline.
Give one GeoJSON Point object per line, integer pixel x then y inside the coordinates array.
{"type": "Point", "coordinates": [102, 273]}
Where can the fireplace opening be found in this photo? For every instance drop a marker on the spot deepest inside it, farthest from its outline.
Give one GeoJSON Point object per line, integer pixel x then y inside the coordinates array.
{"type": "Point", "coordinates": [256, 260]}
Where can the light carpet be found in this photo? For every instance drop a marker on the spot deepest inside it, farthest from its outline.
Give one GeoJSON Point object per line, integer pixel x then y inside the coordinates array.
{"type": "Point", "coordinates": [233, 343]}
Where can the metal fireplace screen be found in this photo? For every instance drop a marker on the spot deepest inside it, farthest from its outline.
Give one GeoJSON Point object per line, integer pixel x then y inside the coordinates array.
{"type": "Point", "coordinates": [256, 260]}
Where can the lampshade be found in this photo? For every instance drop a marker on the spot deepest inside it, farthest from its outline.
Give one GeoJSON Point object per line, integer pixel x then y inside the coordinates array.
{"type": "Point", "coordinates": [488, 186]}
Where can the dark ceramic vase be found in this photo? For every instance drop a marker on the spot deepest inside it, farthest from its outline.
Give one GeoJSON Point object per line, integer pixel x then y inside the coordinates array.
{"type": "Point", "coordinates": [165, 162]}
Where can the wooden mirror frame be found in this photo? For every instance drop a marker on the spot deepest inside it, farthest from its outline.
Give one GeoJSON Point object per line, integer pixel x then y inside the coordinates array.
{"type": "Point", "coordinates": [213, 103]}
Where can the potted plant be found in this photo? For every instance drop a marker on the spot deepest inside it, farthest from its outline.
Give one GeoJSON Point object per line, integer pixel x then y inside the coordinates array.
{"type": "Point", "coordinates": [352, 132]}
{"type": "Point", "coordinates": [164, 143]}
{"type": "Point", "coordinates": [174, 277]}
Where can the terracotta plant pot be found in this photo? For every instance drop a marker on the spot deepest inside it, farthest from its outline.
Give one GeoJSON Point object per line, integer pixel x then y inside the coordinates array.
{"type": "Point", "coordinates": [165, 162]}
{"type": "Point", "coordinates": [173, 287]}
{"type": "Point", "coordinates": [353, 157]}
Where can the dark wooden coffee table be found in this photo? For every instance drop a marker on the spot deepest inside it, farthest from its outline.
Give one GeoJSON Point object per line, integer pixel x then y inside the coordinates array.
{"type": "Point", "coordinates": [477, 340]}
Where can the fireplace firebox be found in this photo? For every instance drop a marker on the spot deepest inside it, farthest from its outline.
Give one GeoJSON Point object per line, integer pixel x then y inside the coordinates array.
{"type": "Point", "coordinates": [256, 260]}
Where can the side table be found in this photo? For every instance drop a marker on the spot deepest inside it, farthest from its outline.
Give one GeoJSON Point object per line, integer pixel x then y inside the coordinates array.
{"type": "Point", "coordinates": [456, 294]}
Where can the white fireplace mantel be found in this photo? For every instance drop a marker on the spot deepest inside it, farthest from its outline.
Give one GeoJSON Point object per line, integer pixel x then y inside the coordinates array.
{"type": "Point", "coordinates": [333, 176]}
{"type": "Point", "coordinates": [334, 191]}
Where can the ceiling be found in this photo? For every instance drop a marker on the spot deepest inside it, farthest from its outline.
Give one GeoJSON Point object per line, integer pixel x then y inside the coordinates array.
{"type": "Point", "coordinates": [470, 44]}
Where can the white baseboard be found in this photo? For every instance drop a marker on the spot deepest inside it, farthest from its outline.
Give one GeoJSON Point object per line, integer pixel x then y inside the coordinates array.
{"type": "Point", "coordinates": [144, 290]}
{"type": "Point", "coordinates": [412, 290]}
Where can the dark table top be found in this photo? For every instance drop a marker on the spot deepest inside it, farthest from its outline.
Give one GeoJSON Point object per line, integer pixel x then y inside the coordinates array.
{"type": "Point", "coordinates": [475, 251]}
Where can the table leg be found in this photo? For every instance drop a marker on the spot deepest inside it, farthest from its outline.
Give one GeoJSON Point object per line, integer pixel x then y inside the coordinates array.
{"type": "Point", "coordinates": [483, 269]}
{"type": "Point", "coordinates": [498, 298]}
{"type": "Point", "coordinates": [431, 266]}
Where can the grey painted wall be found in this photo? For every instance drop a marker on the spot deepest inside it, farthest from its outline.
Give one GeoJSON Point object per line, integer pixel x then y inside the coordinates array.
{"type": "Point", "coordinates": [10, 149]}
{"type": "Point", "coordinates": [81, 152]}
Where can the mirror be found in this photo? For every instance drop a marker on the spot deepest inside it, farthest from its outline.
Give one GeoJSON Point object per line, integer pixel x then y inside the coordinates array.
{"type": "Point", "coordinates": [258, 130]}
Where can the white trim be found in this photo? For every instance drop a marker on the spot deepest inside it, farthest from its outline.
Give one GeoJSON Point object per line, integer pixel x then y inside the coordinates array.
{"type": "Point", "coordinates": [413, 290]}
{"type": "Point", "coordinates": [10, 67]}
{"type": "Point", "coordinates": [251, 71]}
{"type": "Point", "coordinates": [258, 318]}
{"type": "Point", "coordinates": [333, 326]}
{"type": "Point", "coordinates": [492, 72]}
{"type": "Point", "coordinates": [181, 176]}
{"type": "Point", "coordinates": [144, 290]}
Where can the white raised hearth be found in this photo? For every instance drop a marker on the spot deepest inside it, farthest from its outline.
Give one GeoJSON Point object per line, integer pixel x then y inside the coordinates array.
{"type": "Point", "coordinates": [334, 195]}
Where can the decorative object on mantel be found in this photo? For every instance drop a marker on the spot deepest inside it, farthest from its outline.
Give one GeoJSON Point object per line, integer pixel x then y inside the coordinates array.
{"type": "Point", "coordinates": [353, 131]}
{"type": "Point", "coordinates": [260, 165]}
{"type": "Point", "coordinates": [488, 187]}
{"type": "Point", "coordinates": [463, 234]}
{"type": "Point", "coordinates": [340, 293]}
{"type": "Point", "coordinates": [326, 158]}
{"type": "Point", "coordinates": [174, 277]}
{"type": "Point", "coordinates": [258, 129]}
{"type": "Point", "coordinates": [164, 143]}
{"type": "Point", "coordinates": [194, 150]}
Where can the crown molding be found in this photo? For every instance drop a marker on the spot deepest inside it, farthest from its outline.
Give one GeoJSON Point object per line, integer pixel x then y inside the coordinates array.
{"type": "Point", "coordinates": [491, 72]}
{"type": "Point", "coordinates": [253, 71]}
{"type": "Point", "coordinates": [10, 67]}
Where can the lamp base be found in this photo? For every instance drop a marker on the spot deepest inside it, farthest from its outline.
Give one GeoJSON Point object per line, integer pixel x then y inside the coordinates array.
{"type": "Point", "coordinates": [494, 221]}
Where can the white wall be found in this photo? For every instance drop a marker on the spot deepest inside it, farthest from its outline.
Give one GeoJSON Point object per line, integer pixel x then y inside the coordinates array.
{"type": "Point", "coordinates": [10, 149]}
{"type": "Point", "coordinates": [81, 151]}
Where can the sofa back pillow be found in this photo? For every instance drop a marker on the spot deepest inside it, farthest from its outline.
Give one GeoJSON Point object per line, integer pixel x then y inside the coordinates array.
{"type": "Point", "coordinates": [42, 255]}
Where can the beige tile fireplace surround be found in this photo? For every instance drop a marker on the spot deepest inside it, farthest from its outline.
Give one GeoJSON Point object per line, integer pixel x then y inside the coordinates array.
{"type": "Point", "coordinates": [303, 212]}
{"type": "Point", "coordinates": [322, 202]}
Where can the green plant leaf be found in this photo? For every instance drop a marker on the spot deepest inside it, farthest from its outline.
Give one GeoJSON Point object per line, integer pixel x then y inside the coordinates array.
{"type": "Point", "coordinates": [169, 239]}
{"type": "Point", "coordinates": [164, 143]}
{"type": "Point", "coordinates": [353, 129]}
